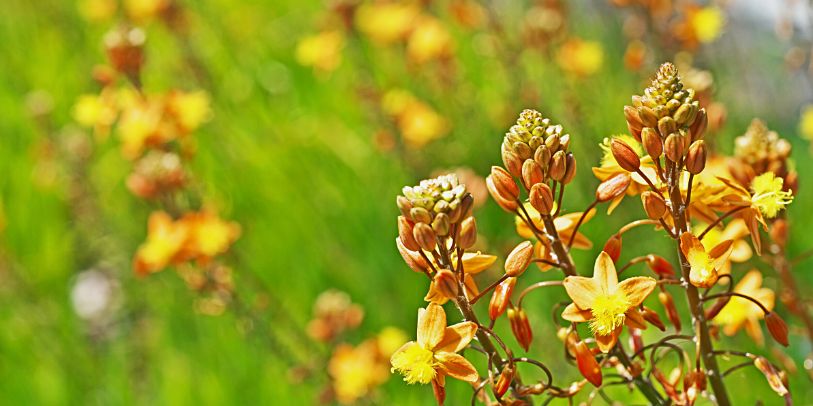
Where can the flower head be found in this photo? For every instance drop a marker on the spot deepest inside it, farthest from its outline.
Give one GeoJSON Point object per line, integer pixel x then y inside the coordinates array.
{"type": "Point", "coordinates": [605, 303]}
{"type": "Point", "coordinates": [705, 265]}
{"type": "Point", "coordinates": [739, 312]}
{"type": "Point", "coordinates": [768, 195]}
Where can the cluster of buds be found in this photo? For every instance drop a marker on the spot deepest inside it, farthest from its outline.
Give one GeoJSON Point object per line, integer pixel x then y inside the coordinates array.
{"type": "Point", "coordinates": [760, 150]}
{"type": "Point", "coordinates": [333, 314]}
{"type": "Point", "coordinates": [433, 210]}
{"type": "Point", "coordinates": [536, 151]}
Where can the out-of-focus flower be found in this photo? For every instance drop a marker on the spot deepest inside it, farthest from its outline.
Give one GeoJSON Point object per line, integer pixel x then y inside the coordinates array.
{"type": "Point", "coordinates": [544, 23]}
{"type": "Point", "coordinates": [190, 109]}
{"type": "Point", "coordinates": [468, 13]}
{"type": "Point", "coordinates": [806, 122]}
{"type": "Point", "coordinates": [634, 55]}
{"type": "Point", "coordinates": [333, 313]}
{"type": "Point", "coordinates": [418, 123]}
{"type": "Point", "coordinates": [96, 111]}
{"type": "Point", "coordinates": [157, 172]}
{"type": "Point", "coordinates": [429, 40]}
{"type": "Point", "coordinates": [97, 10]}
{"type": "Point", "coordinates": [707, 23]}
{"type": "Point", "coordinates": [141, 10]}
{"type": "Point", "coordinates": [95, 295]}
{"type": "Point", "coordinates": [165, 239]}
{"type": "Point", "coordinates": [356, 371]}
{"type": "Point", "coordinates": [739, 312]}
{"type": "Point", "coordinates": [209, 235]}
{"type": "Point", "coordinates": [705, 265]}
{"type": "Point", "coordinates": [768, 195]}
{"type": "Point", "coordinates": [736, 231]}
{"type": "Point", "coordinates": [140, 125]}
{"type": "Point", "coordinates": [580, 57]}
{"type": "Point", "coordinates": [322, 51]}
{"type": "Point", "coordinates": [386, 23]}
{"type": "Point", "coordinates": [605, 303]}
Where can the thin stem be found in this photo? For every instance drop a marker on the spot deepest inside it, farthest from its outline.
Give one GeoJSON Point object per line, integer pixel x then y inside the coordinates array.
{"type": "Point", "coordinates": [547, 262]}
{"type": "Point", "coordinates": [730, 294]}
{"type": "Point", "coordinates": [645, 386]}
{"type": "Point", "coordinates": [636, 260]}
{"type": "Point", "coordinates": [534, 287]}
{"type": "Point", "coordinates": [719, 219]}
{"type": "Point", "coordinates": [562, 254]}
{"type": "Point", "coordinates": [636, 223]}
{"type": "Point", "coordinates": [488, 289]}
{"type": "Point", "coordinates": [579, 223]}
{"type": "Point", "coordinates": [649, 182]}
{"type": "Point", "coordinates": [689, 190]}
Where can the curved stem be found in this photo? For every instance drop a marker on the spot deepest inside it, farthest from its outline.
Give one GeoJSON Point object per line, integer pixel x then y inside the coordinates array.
{"type": "Point", "coordinates": [730, 294]}
{"type": "Point", "coordinates": [579, 223]}
{"type": "Point", "coordinates": [719, 219]}
{"type": "Point", "coordinates": [536, 286]}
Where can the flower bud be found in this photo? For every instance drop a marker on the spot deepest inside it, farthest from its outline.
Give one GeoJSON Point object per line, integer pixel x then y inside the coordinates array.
{"type": "Point", "coordinates": [520, 327]}
{"type": "Point", "coordinates": [468, 233]}
{"type": "Point", "coordinates": [553, 142]}
{"type": "Point", "coordinates": [779, 232]}
{"type": "Point", "coordinates": [653, 318]}
{"type": "Point", "coordinates": [632, 117]}
{"type": "Point", "coordinates": [698, 127]}
{"type": "Point", "coordinates": [405, 234]}
{"type": "Point", "coordinates": [777, 328]}
{"type": "Point", "coordinates": [660, 266]}
{"type": "Point", "coordinates": [773, 375]}
{"type": "Point", "coordinates": [441, 224]}
{"type": "Point", "coordinates": [636, 340]}
{"type": "Point", "coordinates": [648, 117]}
{"type": "Point", "coordinates": [420, 215]}
{"type": "Point", "coordinates": [694, 383]}
{"type": "Point", "coordinates": [696, 158]}
{"type": "Point", "coordinates": [685, 113]}
{"type": "Point", "coordinates": [446, 284]}
{"type": "Point", "coordinates": [654, 205]}
{"type": "Point", "coordinates": [717, 307]}
{"type": "Point", "coordinates": [507, 205]}
{"type": "Point", "coordinates": [666, 126]}
{"type": "Point", "coordinates": [504, 381]}
{"type": "Point", "coordinates": [531, 173]}
{"type": "Point", "coordinates": [558, 166]}
{"type": "Point", "coordinates": [413, 259]}
{"type": "Point", "coordinates": [673, 147]}
{"type": "Point", "coordinates": [404, 206]}
{"type": "Point", "coordinates": [125, 50]}
{"type": "Point", "coordinates": [425, 236]}
{"type": "Point", "coordinates": [586, 361]}
{"type": "Point", "coordinates": [505, 183]}
{"type": "Point", "coordinates": [613, 247]}
{"type": "Point", "coordinates": [466, 204]}
{"type": "Point", "coordinates": [501, 298]}
{"type": "Point", "coordinates": [625, 155]}
{"type": "Point", "coordinates": [519, 259]}
{"type": "Point", "coordinates": [612, 187]}
{"type": "Point", "coordinates": [570, 169]}
{"type": "Point", "coordinates": [542, 156]}
{"type": "Point", "coordinates": [671, 312]}
{"type": "Point", "coordinates": [652, 142]}
{"type": "Point", "coordinates": [541, 198]}
{"type": "Point", "coordinates": [512, 162]}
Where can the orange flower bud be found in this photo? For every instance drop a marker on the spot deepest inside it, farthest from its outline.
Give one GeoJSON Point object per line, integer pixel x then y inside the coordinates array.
{"type": "Point", "coordinates": [773, 375]}
{"type": "Point", "coordinates": [501, 297]}
{"type": "Point", "coordinates": [673, 146]}
{"type": "Point", "coordinates": [570, 169]}
{"type": "Point", "coordinates": [718, 306]}
{"type": "Point", "coordinates": [653, 318]}
{"type": "Point", "coordinates": [441, 224]}
{"type": "Point", "coordinates": [668, 386]}
{"type": "Point", "coordinates": [613, 247]}
{"type": "Point", "coordinates": [404, 206]}
{"type": "Point", "coordinates": [512, 162]}
{"type": "Point", "coordinates": [631, 115]}
{"type": "Point", "coordinates": [779, 232]}
{"type": "Point", "coordinates": [542, 156]}
{"type": "Point", "coordinates": [612, 187]}
{"type": "Point", "coordinates": [558, 166]}
{"type": "Point", "coordinates": [653, 145]}
{"type": "Point", "coordinates": [125, 50]}
{"type": "Point", "coordinates": [414, 260]}
{"type": "Point", "coordinates": [777, 328]}
{"type": "Point", "coordinates": [698, 127]}
{"type": "Point", "coordinates": [420, 215]}
{"type": "Point", "coordinates": [666, 126]}
{"type": "Point", "coordinates": [541, 198]}
{"type": "Point", "coordinates": [531, 173]}
{"type": "Point", "coordinates": [625, 155]}
{"type": "Point", "coordinates": [637, 342]}
{"type": "Point", "coordinates": [520, 327]}
{"type": "Point", "coordinates": [504, 381]}
{"type": "Point", "coordinates": [671, 312]}
{"type": "Point", "coordinates": [654, 205]}
{"type": "Point", "coordinates": [648, 117]}
{"type": "Point", "coordinates": [405, 234]}
{"type": "Point", "coordinates": [519, 259]}
{"type": "Point", "coordinates": [425, 236]}
{"type": "Point", "coordinates": [468, 233]}
{"type": "Point", "coordinates": [504, 183]}
{"type": "Point", "coordinates": [586, 361]}
{"type": "Point", "coordinates": [506, 204]}
{"type": "Point", "coordinates": [696, 158]}
{"type": "Point", "coordinates": [660, 266]}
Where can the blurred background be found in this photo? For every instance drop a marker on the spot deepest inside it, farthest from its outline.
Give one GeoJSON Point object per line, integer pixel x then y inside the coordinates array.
{"type": "Point", "coordinates": [296, 123]}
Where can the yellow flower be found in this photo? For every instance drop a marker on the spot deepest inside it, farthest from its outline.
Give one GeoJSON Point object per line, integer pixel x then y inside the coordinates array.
{"type": "Point", "coordinates": [191, 109]}
{"type": "Point", "coordinates": [433, 355]}
{"type": "Point", "coordinates": [605, 303]}
{"type": "Point", "coordinates": [419, 123]}
{"type": "Point", "coordinates": [140, 125]}
{"type": "Point", "coordinates": [736, 231]}
{"type": "Point", "coordinates": [386, 23]}
{"type": "Point", "coordinates": [97, 10]}
{"type": "Point", "coordinates": [739, 312]}
{"type": "Point", "coordinates": [806, 122]}
{"type": "Point", "coordinates": [165, 238]}
{"type": "Point", "coordinates": [356, 371]}
{"type": "Point", "coordinates": [707, 23]}
{"type": "Point", "coordinates": [705, 265]}
{"type": "Point", "coordinates": [322, 51]}
{"type": "Point", "coordinates": [429, 40]}
{"type": "Point", "coordinates": [768, 195]}
{"type": "Point", "coordinates": [95, 111]}
{"type": "Point", "coordinates": [580, 57]}
{"type": "Point", "coordinates": [140, 10]}
{"type": "Point", "coordinates": [209, 235]}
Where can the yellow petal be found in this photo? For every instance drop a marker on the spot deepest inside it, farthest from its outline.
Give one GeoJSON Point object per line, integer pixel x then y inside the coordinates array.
{"type": "Point", "coordinates": [636, 289]}
{"type": "Point", "coordinates": [456, 366]}
{"type": "Point", "coordinates": [576, 315]}
{"type": "Point", "coordinates": [431, 325]}
{"type": "Point", "coordinates": [457, 337]}
{"type": "Point", "coordinates": [474, 263]}
{"type": "Point", "coordinates": [604, 273]}
{"type": "Point", "coordinates": [720, 253]}
{"type": "Point", "coordinates": [582, 290]}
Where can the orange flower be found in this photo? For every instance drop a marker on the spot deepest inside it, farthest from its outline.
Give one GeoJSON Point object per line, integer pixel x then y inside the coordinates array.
{"type": "Point", "coordinates": [739, 312]}
{"type": "Point", "coordinates": [209, 235]}
{"type": "Point", "coordinates": [605, 303]}
{"type": "Point", "coordinates": [705, 265]}
{"type": "Point", "coordinates": [165, 238]}
{"type": "Point", "coordinates": [434, 355]}
{"type": "Point", "coordinates": [735, 231]}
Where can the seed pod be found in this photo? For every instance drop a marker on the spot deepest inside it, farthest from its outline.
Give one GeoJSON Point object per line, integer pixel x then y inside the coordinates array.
{"type": "Point", "coordinates": [612, 187]}
{"type": "Point", "coordinates": [652, 143]}
{"type": "Point", "coordinates": [648, 117]}
{"type": "Point", "coordinates": [586, 361]}
{"type": "Point", "coordinates": [441, 224]}
{"type": "Point", "coordinates": [425, 236]}
{"type": "Point", "coordinates": [512, 162]}
{"type": "Point", "coordinates": [660, 266]}
{"type": "Point", "coordinates": [446, 284]}
{"type": "Point", "coordinates": [520, 327]}
{"type": "Point", "coordinates": [519, 259]}
{"type": "Point", "coordinates": [541, 198]}
{"type": "Point", "coordinates": [531, 173]}
{"type": "Point", "coordinates": [404, 206]}
{"type": "Point", "coordinates": [653, 318]}
{"type": "Point", "coordinates": [654, 205]}
{"type": "Point", "coordinates": [698, 127]}
{"type": "Point", "coordinates": [501, 297]}
{"type": "Point", "coordinates": [671, 312]}
{"type": "Point", "coordinates": [613, 247]}
{"type": "Point", "coordinates": [558, 166]}
{"type": "Point", "coordinates": [667, 126]}
{"type": "Point", "coordinates": [420, 215]}
{"type": "Point", "coordinates": [777, 328]}
{"type": "Point", "coordinates": [505, 183]}
{"type": "Point", "coordinates": [413, 259]}
{"type": "Point", "coordinates": [696, 158]}
{"type": "Point", "coordinates": [673, 146]}
{"type": "Point", "coordinates": [507, 205]}
{"type": "Point", "coordinates": [468, 233]}
{"type": "Point", "coordinates": [570, 169]}
{"type": "Point", "coordinates": [625, 155]}
{"type": "Point", "coordinates": [405, 233]}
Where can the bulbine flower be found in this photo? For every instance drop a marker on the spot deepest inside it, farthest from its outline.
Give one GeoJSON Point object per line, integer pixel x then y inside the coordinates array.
{"type": "Point", "coordinates": [605, 303]}
{"type": "Point", "coordinates": [433, 356]}
{"type": "Point", "coordinates": [705, 265]}
{"type": "Point", "coordinates": [739, 312]}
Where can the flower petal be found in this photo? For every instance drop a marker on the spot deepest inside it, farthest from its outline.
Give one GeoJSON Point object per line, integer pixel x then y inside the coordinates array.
{"type": "Point", "coordinates": [720, 253]}
{"type": "Point", "coordinates": [637, 288]}
{"type": "Point", "coordinates": [457, 337]}
{"type": "Point", "coordinates": [431, 325]}
{"type": "Point", "coordinates": [606, 343]}
{"type": "Point", "coordinates": [474, 263]}
{"type": "Point", "coordinates": [582, 290]}
{"type": "Point", "coordinates": [689, 242]}
{"type": "Point", "coordinates": [604, 273]}
{"type": "Point", "coordinates": [456, 366]}
{"type": "Point", "coordinates": [634, 319]}
{"type": "Point", "coordinates": [576, 315]}
{"type": "Point", "coordinates": [402, 349]}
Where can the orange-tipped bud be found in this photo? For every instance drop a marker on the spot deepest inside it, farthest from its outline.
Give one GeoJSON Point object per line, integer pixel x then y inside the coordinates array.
{"type": "Point", "coordinates": [671, 312]}
{"type": "Point", "coordinates": [654, 205]}
{"type": "Point", "coordinates": [541, 198]}
{"type": "Point", "coordinates": [613, 247]}
{"type": "Point", "coordinates": [504, 381]}
{"type": "Point", "coordinates": [404, 205]}
{"type": "Point", "coordinates": [405, 234]}
{"type": "Point", "coordinates": [653, 318]}
{"type": "Point", "coordinates": [717, 307]}
{"type": "Point", "coordinates": [520, 327]}
{"type": "Point", "coordinates": [531, 173]}
{"type": "Point", "coordinates": [501, 298]}
{"type": "Point", "coordinates": [696, 158]}
{"type": "Point", "coordinates": [519, 259]}
{"type": "Point", "coordinates": [773, 375]}
{"type": "Point", "coordinates": [698, 127]}
{"type": "Point", "coordinates": [653, 145]}
{"type": "Point", "coordinates": [673, 147]}
{"type": "Point", "coordinates": [570, 169]}
{"type": "Point", "coordinates": [468, 233]}
{"type": "Point", "coordinates": [625, 156]}
{"type": "Point", "coordinates": [512, 162]}
{"type": "Point", "coordinates": [413, 259]}
{"type": "Point", "coordinates": [425, 236]}
{"type": "Point", "coordinates": [558, 165]}
{"type": "Point", "coordinates": [777, 327]}
{"type": "Point", "coordinates": [660, 266]}
{"type": "Point", "coordinates": [505, 183]}
{"type": "Point", "coordinates": [509, 205]}
{"type": "Point", "coordinates": [586, 361]}
{"type": "Point", "coordinates": [613, 187]}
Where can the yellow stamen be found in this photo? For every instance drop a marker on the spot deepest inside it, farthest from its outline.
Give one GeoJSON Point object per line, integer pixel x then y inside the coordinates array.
{"type": "Point", "coordinates": [608, 312]}
{"type": "Point", "coordinates": [768, 194]}
{"type": "Point", "coordinates": [416, 363]}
